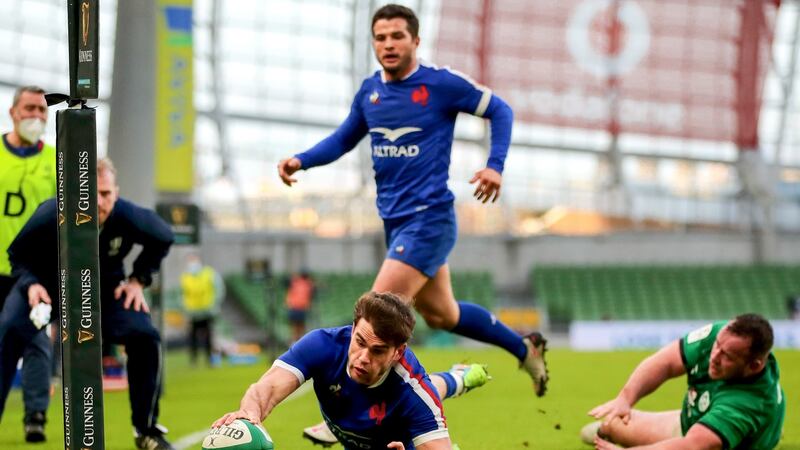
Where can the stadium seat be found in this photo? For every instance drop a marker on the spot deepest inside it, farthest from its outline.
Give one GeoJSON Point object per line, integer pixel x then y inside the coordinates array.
{"type": "Point", "coordinates": [336, 295]}
{"type": "Point", "coordinates": [663, 292]}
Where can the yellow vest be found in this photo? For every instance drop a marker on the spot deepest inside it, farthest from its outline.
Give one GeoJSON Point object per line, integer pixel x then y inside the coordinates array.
{"type": "Point", "coordinates": [198, 290]}
{"type": "Point", "coordinates": [24, 184]}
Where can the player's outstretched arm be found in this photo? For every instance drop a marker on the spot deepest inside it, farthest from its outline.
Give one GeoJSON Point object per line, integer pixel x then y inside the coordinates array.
{"type": "Point", "coordinates": [262, 396]}
{"type": "Point", "coordinates": [328, 150]}
{"type": "Point", "coordinates": [287, 167]}
{"type": "Point", "coordinates": [646, 378]}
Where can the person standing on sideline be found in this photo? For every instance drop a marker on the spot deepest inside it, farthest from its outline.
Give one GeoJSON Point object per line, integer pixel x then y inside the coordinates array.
{"type": "Point", "coordinates": [203, 290]}
{"type": "Point", "coordinates": [409, 109]}
{"type": "Point", "coordinates": [300, 292]}
{"type": "Point", "coordinates": [27, 178]}
{"type": "Point", "coordinates": [125, 315]}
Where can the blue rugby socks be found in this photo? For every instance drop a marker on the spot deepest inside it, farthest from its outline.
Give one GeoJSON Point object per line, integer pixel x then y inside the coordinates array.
{"type": "Point", "coordinates": [450, 381]}
{"type": "Point", "coordinates": [476, 322]}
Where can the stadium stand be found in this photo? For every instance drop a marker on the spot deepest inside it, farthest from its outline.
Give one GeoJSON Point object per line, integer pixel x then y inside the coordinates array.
{"type": "Point", "coordinates": [663, 292]}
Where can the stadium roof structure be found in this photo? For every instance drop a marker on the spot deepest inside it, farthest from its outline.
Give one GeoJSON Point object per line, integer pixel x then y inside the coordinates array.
{"type": "Point", "coordinates": [626, 109]}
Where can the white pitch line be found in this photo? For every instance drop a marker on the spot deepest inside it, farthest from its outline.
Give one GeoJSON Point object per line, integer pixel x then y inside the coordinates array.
{"type": "Point", "coordinates": [191, 439]}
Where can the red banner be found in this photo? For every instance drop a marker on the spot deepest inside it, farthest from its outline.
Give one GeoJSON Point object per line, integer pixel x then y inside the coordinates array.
{"type": "Point", "coordinates": [682, 68]}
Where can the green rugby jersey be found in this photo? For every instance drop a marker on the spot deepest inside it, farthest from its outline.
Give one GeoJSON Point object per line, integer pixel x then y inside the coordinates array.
{"type": "Point", "coordinates": [745, 415]}
{"type": "Point", "coordinates": [25, 182]}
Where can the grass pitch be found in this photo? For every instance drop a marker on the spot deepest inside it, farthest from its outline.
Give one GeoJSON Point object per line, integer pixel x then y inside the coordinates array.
{"type": "Point", "coordinates": [503, 415]}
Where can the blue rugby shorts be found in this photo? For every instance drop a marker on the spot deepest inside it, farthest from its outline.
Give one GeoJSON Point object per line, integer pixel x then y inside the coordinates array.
{"type": "Point", "coordinates": [423, 239]}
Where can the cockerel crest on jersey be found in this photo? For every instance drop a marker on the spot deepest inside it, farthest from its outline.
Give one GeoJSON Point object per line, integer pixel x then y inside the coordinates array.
{"type": "Point", "coordinates": [377, 412]}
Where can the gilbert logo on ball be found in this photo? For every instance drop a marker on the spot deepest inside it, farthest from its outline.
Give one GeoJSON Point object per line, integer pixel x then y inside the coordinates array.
{"type": "Point", "coordinates": [240, 435]}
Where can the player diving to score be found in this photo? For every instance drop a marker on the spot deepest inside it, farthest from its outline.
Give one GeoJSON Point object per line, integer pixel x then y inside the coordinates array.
{"type": "Point", "coordinates": [372, 391]}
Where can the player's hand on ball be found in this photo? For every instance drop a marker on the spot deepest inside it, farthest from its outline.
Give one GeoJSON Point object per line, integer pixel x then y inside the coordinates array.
{"type": "Point", "coordinates": [239, 434]}
{"type": "Point", "coordinates": [227, 419]}
{"type": "Point", "coordinates": [617, 408]}
{"type": "Point", "coordinates": [488, 187]}
{"type": "Point", "coordinates": [286, 168]}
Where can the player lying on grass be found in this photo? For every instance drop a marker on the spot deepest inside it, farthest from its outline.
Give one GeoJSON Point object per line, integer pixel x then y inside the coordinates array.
{"type": "Point", "coordinates": [372, 391]}
{"type": "Point", "coordinates": [734, 398]}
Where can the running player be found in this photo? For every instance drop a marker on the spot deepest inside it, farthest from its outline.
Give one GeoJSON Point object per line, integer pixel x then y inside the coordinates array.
{"type": "Point", "coordinates": [372, 391]}
{"type": "Point", "coordinates": [409, 109]}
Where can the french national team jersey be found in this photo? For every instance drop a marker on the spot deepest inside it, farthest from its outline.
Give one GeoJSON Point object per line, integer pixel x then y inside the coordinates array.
{"type": "Point", "coordinates": [403, 406]}
{"type": "Point", "coordinates": [411, 123]}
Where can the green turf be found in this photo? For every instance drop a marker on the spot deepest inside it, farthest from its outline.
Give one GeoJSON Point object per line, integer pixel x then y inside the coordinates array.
{"type": "Point", "coordinates": [502, 415]}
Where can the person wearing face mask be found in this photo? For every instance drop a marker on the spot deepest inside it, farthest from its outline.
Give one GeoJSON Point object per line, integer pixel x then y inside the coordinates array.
{"type": "Point", "coordinates": [372, 391]}
{"type": "Point", "coordinates": [733, 399]}
{"type": "Point", "coordinates": [27, 171]}
{"type": "Point", "coordinates": [27, 178]}
{"type": "Point", "coordinates": [125, 315]}
{"type": "Point", "coordinates": [202, 290]}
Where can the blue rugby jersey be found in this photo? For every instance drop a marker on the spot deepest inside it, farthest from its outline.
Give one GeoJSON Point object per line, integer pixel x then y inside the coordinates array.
{"type": "Point", "coordinates": [411, 123]}
{"type": "Point", "coordinates": [403, 406]}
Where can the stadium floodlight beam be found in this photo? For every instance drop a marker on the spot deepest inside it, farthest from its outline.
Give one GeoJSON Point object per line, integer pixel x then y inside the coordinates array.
{"type": "Point", "coordinates": [78, 252]}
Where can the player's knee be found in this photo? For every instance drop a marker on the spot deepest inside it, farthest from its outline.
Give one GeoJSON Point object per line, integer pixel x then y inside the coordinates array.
{"type": "Point", "coordinates": [439, 321]}
{"type": "Point", "coordinates": [609, 430]}
{"type": "Point", "coordinates": [605, 429]}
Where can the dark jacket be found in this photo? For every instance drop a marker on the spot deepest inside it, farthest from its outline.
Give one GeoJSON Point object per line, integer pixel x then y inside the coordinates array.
{"type": "Point", "coordinates": [34, 252]}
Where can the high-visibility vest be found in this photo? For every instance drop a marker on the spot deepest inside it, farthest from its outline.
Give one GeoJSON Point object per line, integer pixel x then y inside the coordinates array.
{"type": "Point", "coordinates": [24, 184]}
{"type": "Point", "coordinates": [198, 290]}
{"type": "Point", "coordinates": [298, 296]}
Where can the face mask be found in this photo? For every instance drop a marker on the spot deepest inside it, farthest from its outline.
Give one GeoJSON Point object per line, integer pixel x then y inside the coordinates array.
{"type": "Point", "coordinates": [31, 129]}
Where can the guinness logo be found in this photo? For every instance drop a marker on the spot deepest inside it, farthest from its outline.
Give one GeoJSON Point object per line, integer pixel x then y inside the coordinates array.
{"type": "Point", "coordinates": [179, 215]}
{"type": "Point", "coordinates": [60, 219]}
{"type": "Point", "coordinates": [84, 336]}
{"type": "Point", "coordinates": [85, 22]}
{"type": "Point", "coordinates": [81, 218]}
{"type": "Point", "coordinates": [64, 336]}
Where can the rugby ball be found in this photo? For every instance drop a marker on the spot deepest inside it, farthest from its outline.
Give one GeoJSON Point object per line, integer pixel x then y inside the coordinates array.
{"type": "Point", "coordinates": [239, 435]}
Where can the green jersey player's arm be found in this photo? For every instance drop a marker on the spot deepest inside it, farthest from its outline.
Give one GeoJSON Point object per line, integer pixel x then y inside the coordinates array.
{"type": "Point", "coordinates": [646, 378]}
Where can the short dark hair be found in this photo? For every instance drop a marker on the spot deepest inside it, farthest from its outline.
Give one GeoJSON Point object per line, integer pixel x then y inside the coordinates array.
{"type": "Point", "coordinates": [22, 89]}
{"type": "Point", "coordinates": [393, 11]}
{"type": "Point", "coordinates": [758, 329]}
{"type": "Point", "coordinates": [390, 315]}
